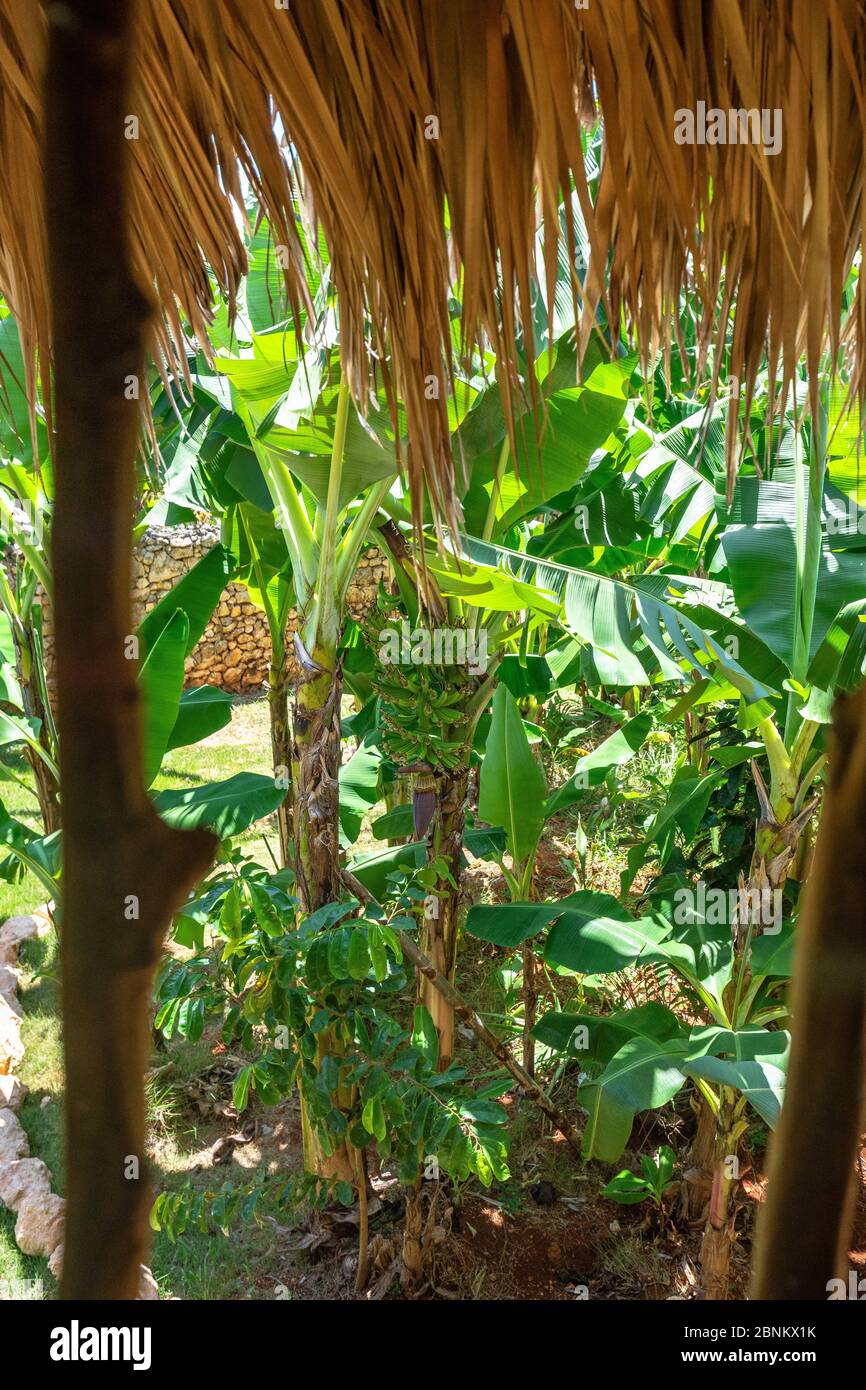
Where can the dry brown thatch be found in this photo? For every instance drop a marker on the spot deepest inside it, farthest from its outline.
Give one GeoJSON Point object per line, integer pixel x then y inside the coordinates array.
{"type": "Point", "coordinates": [352, 81]}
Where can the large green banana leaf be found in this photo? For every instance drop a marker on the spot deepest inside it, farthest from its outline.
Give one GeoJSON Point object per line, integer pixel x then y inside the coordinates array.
{"type": "Point", "coordinates": [167, 635]}
{"type": "Point", "coordinates": [598, 1037]}
{"type": "Point", "coordinates": [227, 808]}
{"type": "Point", "coordinates": [592, 933]}
{"type": "Point", "coordinates": [513, 786]}
{"type": "Point", "coordinates": [634, 630]}
{"type": "Point", "coordinates": [39, 854]}
{"type": "Point", "coordinates": [201, 712]}
{"type": "Point", "coordinates": [762, 563]}
{"type": "Point", "coordinates": [647, 1072]}
{"type": "Point", "coordinates": [161, 680]}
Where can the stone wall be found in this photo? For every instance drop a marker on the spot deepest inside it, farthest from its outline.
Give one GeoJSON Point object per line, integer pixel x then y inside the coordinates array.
{"type": "Point", "coordinates": [235, 649]}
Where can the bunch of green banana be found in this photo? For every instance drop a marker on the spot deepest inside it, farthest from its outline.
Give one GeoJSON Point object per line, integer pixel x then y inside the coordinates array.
{"type": "Point", "coordinates": [423, 707]}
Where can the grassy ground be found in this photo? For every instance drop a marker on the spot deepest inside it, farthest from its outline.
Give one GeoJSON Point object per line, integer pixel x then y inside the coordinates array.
{"type": "Point", "coordinates": [187, 1097]}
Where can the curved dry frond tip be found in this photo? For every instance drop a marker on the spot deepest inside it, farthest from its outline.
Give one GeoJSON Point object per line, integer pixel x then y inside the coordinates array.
{"type": "Point", "coordinates": [435, 132]}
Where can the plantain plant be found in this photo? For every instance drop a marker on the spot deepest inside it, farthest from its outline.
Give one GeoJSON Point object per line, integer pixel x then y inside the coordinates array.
{"type": "Point", "coordinates": [428, 712]}
{"type": "Point", "coordinates": [514, 795]}
{"type": "Point", "coordinates": [639, 1058]}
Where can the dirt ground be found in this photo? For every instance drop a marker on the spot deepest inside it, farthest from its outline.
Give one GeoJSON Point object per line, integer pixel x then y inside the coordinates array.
{"type": "Point", "coordinates": [548, 1234]}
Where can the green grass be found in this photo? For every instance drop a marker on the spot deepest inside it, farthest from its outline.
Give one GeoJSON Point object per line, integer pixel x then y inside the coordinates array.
{"type": "Point", "coordinates": [20, 802]}
{"type": "Point", "coordinates": [201, 1265]}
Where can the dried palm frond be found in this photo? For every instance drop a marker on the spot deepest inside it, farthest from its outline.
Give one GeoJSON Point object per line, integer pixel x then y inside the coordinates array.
{"type": "Point", "coordinates": [432, 134]}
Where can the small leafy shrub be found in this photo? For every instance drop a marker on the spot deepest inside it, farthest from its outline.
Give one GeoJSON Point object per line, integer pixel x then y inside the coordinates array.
{"type": "Point", "coordinates": [652, 1182]}
{"type": "Point", "coordinates": [318, 1002]}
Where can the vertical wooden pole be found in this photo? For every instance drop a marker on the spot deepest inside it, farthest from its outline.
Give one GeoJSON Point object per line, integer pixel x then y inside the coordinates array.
{"type": "Point", "coordinates": [125, 871]}
{"type": "Point", "coordinates": [804, 1230]}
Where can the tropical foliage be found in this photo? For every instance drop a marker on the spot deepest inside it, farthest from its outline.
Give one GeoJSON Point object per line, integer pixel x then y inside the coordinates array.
{"type": "Point", "coordinates": [603, 688]}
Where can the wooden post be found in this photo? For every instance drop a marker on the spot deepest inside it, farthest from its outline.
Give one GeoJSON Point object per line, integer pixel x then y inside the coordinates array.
{"type": "Point", "coordinates": [804, 1229]}
{"type": "Point", "coordinates": [125, 871]}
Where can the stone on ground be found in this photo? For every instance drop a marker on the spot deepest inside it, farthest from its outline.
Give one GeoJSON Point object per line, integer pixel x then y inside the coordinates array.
{"type": "Point", "coordinates": [24, 1180]}
{"type": "Point", "coordinates": [19, 929]}
{"type": "Point", "coordinates": [11, 1049]}
{"type": "Point", "coordinates": [13, 1093]}
{"type": "Point", "coordinates": [39, 1228]}
{"type": "Point", "coordinates": [13, 1140]}
{"type": "Point", "coordinates": [8, 982]}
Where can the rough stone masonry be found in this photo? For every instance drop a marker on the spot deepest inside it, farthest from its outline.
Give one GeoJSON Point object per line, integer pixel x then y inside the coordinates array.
{"type": "Point", "coordinates": [235, 649]}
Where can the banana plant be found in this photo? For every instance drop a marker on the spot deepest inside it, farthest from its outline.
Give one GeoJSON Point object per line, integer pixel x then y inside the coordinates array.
{"type": "Point", "coordinates": [513, 794]}
{"type": "Point", "coordinates": [427, 716]}
{"type": "Point", "coordinates": [278, 452]}
{"type": "Point", "coordinates": [326, 477]}
{"type": "Point", "coordinates": [291, 430]}
{"type": "Point", "coordinates": [599, 620]}
{"type": "Point", "coordinates": [434, 675]}
{"type": "Point", "coordinates": [639, 1058]}
{"type": "Point", "coordinates": [782, 593]}
{"type": "Point", "coordinates": [772, 604]}
{"type": "Point", "coordinates": [204, 463]}
{"type": "Point", "coordinates": [654, 1181]}
{"type": "Point", "coordinates": [325, 473]}
{"type": "Point", "coordinates": [483, 601]}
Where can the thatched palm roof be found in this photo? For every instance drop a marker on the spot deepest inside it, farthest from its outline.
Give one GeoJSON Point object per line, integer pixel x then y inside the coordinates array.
{"type": "Point", "coordinates": [219, 85]}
